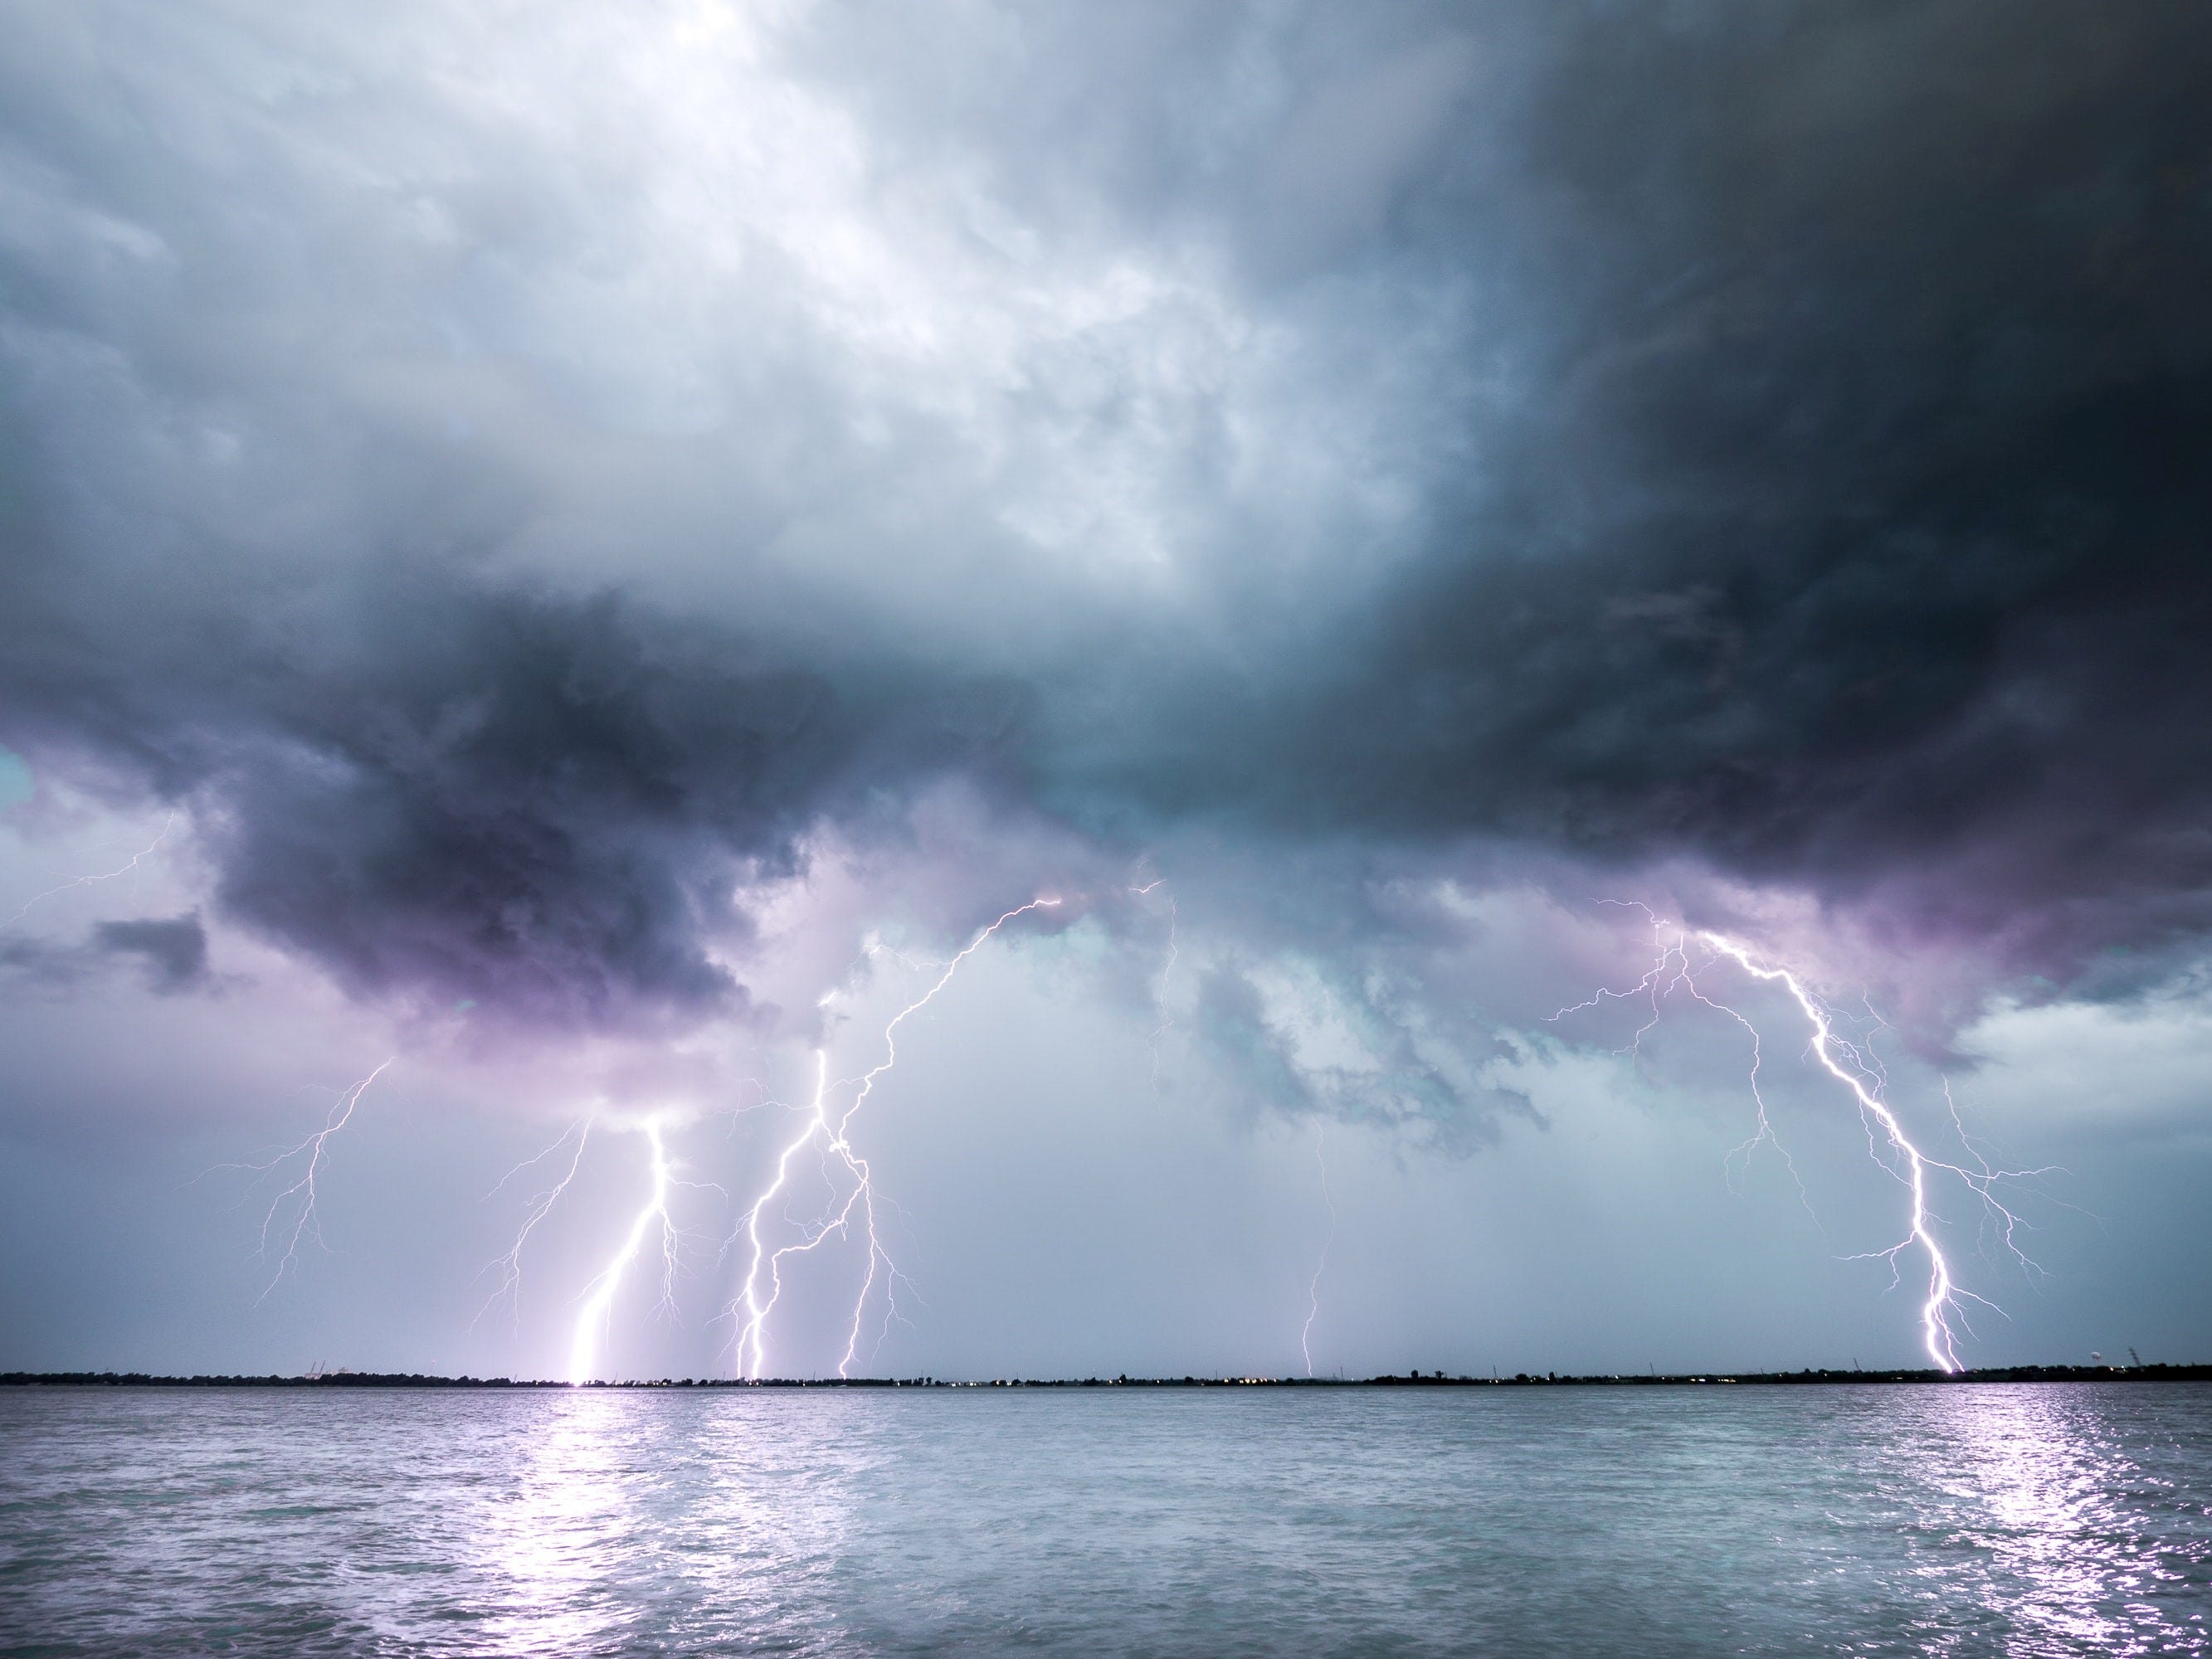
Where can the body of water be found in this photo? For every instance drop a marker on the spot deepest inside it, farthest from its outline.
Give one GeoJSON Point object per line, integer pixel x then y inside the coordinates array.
{"type": "Point", "coordinates": [1998, 1519]}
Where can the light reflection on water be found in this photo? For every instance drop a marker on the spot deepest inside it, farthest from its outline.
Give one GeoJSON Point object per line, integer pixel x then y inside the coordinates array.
{"type": "Point", "coordinates": [2044, 1492]}
{"type": "Point", "coordinates": [552, 1548]}
{"type": "Point", "coordinates": [2024, 1519]}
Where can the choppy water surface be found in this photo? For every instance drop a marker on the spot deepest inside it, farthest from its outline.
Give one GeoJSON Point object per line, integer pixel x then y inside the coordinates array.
{"type": "Point", "coordinates": [2020, 1520]}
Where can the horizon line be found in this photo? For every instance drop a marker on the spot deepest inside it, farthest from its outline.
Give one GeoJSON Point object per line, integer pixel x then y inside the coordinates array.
{"type": "Point", "coordinates": [2195, 1370]}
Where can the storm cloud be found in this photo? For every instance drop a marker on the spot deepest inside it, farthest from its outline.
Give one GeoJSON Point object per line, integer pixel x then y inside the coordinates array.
{"type": "Point", "coordinates": [172, 951]}
{"type": "Point", "coordinates": [566, 558]}
{"type": "Point", "coordinates": [516, 489]}
{"type": "Point", "coordinates": [1840, 524]}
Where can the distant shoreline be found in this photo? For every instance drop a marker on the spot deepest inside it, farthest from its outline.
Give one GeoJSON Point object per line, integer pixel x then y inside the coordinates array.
{"type": "Point", "coordinates": [2188, 1373]}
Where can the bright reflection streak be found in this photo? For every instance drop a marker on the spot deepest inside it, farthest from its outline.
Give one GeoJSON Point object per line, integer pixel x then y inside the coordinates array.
{"type": "Point", "coordinates": [2053, 1526]}
{"type": "Point", "coordinates": [568, 1513]}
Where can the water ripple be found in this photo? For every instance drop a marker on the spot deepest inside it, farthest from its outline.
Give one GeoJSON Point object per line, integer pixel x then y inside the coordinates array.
{"type": "Point", "coordinates": [1956, 1520]}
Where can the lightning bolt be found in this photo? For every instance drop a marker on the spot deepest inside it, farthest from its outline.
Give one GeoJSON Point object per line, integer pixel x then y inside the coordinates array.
{"type": "Point", "coordinates": [1167, 972]}
{"type": "Point", "coordinates": [756, 1301]}
{"type": "Point", "coordinates": [751, 1355]}
{"type": "Point", "coordinates": [1313, 1290]}
{"type": "Point", "coordinates": [144, 853]}
{"type": "Point", "coordinates": [508, 1267]}
{"type": "Point", "coordinates": [302, 1193]}
{"type": "Point", "coordinates": [1861, 1073]}
{"type": "Point", "coordinates": [598, 1295]}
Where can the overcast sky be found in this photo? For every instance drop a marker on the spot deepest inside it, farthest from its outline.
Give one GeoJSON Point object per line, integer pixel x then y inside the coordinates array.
{"type": "Point", "coordinates": [584, 552]}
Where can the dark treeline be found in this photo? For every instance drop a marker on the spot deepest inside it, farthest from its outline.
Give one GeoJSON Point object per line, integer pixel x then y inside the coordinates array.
{"type": "Point", "coordinates": [2159, 1373]}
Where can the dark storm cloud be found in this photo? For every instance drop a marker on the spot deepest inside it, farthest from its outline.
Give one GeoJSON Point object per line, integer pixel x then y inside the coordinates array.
{"type": "Point", "coordinates": [172, 951]}
{"type": "Point", "coordinates": [1778, 433]}
{"type": "Point", "coordinates": [542, 806]}
{"type": "Point", "coordinates": [547, 807]}
{"type": "Point", "coordinates": [1848, 527]}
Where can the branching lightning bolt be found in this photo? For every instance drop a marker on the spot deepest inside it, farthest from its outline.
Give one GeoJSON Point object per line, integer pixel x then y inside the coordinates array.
{"type": "Point", "coordinates": [756, 1301]}
{"type": "Point", "coordinates": [508, 1267]}
{"type": "Point", "coordinates": [1944, 1293]}
{"type": "Point", "coordinates": [1313, 1290]}
{"type": "Point", "coordinates": [144, 853]}
{"type": "Point", "coordinates": [1859, 1071]}
{"type": "Point", "coordinates": [599, 1294]}
{"type": "Point", "coordinates": [1670, 973]}
{"type": "Point", "coordinates": [302, 1193]}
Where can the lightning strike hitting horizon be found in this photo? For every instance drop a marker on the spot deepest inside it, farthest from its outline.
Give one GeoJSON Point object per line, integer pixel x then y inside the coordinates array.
{"type": "Point", "coordinates": [599, 1294]}
{"type": "Point", "coordinates": [305, 1219]}
{"type": "Point", "coordinates": [1859, 1071]}
{"type": "Point", "coordinates": [1313, 1289]}
{"type": "Point", "coordinates": [751, 1339]}
{"type": "Point", "coordinates": [751, 1308]}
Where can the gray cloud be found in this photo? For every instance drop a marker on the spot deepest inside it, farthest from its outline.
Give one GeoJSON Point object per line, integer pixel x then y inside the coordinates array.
{"type": "Point", "coordinates": [513, 520]}
{"type": "Point", "coordinates": [172, 951]}
{"type": "Point", "coordinates": [1843, 527]}
{"type": "Point", "coordinates": [541, 806]}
